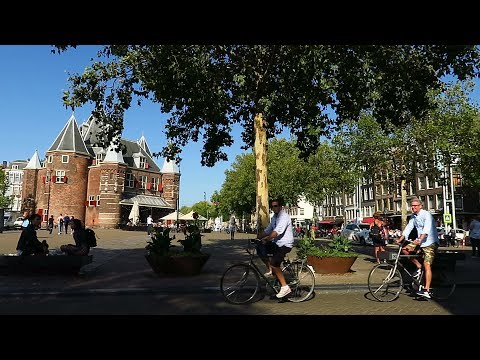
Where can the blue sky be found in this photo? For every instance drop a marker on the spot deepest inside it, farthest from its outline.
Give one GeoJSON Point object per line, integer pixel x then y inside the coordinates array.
{"type": "Point", "coordinates": [32, 81]}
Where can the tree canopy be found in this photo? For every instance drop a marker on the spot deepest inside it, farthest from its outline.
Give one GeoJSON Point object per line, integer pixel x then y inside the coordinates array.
{"type": "Point", "coordinates": [310, 89]}
{"type": "Point", "coordinates": [5, 201]}
{"type": "Point", "coordinates": [207, 89]}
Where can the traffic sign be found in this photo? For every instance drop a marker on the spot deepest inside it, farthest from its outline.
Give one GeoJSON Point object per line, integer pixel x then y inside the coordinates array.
{"type": "Point", "coordinates": [447, 218]}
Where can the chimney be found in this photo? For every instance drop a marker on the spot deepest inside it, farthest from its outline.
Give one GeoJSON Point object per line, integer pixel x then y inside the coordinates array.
{"type": "Point", "coordinates": [4, 165]}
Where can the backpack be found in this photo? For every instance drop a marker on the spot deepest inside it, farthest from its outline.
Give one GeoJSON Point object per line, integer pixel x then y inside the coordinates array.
{"type": "Point", "coordinates": [91, 238]}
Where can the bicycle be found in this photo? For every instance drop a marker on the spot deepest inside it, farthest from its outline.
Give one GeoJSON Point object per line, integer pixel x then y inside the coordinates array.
{"type": "Point", "coordinates": [240, 283]}
{"type": "Point", "coordinates": [386, 280]}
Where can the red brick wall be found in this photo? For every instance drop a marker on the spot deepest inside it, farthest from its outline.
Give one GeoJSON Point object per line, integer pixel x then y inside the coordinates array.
{"type": "Point", "coordinates": [171, 185]}
{"type": "Point", "coordinates": [111, 187]}
{"type": "Point", "coordinates": [91, 213]}
{"type": "Point", "coordinates": [29, 186]}
{"type": "Point", "coordinates": [68, 198]}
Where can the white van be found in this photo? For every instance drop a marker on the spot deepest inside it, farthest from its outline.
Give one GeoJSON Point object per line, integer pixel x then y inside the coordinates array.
{"type": "Point", "coordinates": [8, 221]}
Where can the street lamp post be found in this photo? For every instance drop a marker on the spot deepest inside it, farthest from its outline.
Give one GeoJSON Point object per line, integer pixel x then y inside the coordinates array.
{"type": "Point", "coordinates": [178, 194]}
{"type": "Point", "coordinates": [48, 196]}
{"type": "Point", "coordinates": [205, 199]}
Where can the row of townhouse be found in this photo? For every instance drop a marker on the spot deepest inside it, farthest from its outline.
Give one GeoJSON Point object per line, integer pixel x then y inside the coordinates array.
{"type": "Point", "coordinates": [385, 196]}
{"type": "Point", "coordinates": [372, 196]}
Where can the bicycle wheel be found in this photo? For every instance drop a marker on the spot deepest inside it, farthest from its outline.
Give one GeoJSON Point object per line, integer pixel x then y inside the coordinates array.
{"type": "Point", "coordinates": [301, 280]}
{"type": "Point", "coordinates": [384, 283]}
{"type": "Point", "coordinates": [443, 284]}
{"type": "Point", "coordinates": [239, 284]}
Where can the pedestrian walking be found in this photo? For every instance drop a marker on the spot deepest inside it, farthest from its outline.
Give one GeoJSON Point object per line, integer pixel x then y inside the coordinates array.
{"type": "Point", "coordinates": [232, 227]}
{"type": "Point", "coordinates": [50, 224]}
{"type": "Point", "coordinates": [475, 236]}
{"type": "Point", "coordinates": [60, 224]}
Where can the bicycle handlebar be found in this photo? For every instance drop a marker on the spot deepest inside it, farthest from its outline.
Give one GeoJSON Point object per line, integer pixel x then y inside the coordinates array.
{"type": "Point", "coordinates": [255, 241]}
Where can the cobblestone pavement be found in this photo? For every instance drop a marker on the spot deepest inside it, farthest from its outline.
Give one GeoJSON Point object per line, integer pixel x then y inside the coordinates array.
{"type": "Point", "coordinates": [120, 281]}
{"type": "Point", "coordinates": [464, 302]}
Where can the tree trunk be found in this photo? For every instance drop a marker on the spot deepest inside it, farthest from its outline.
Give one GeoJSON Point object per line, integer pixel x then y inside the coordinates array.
{"type": "Point", "coordinates": [260, 150]}
{"type": "Point", "coordinates": [404, 203]}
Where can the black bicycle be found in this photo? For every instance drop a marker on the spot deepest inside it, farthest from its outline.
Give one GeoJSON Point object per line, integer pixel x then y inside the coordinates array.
{"type": "Point", "coordinates": [241, 282]}
{"type": "Point", "coordinates": [386, 280]}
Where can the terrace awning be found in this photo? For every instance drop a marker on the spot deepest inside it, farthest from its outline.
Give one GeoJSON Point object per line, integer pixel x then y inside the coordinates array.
{"type": "Point", "coordinates": [328, 222]}
{"type": "Point", "coordinates": [147, 201]}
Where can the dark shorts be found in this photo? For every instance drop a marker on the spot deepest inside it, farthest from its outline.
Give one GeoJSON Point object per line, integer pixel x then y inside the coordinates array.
{"type": "Point", "coordinates": [270, 249]}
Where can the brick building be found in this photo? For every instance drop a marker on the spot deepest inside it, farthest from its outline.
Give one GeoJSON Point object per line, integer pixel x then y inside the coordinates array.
{"type": "Point", "coordinates": [98, 185]}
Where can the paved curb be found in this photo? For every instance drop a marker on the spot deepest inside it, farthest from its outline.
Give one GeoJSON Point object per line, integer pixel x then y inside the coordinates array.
{"type": "Point", "coordinates": [325, 289]}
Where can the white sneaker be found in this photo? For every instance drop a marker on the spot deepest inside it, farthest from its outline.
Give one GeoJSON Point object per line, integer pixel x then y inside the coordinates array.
{"type": "Point", "coordinates": [424, 293]}
{"type": "Point", "coordinates": [268, 274]}
{"type": "Point", "coordinates": [417, 274]}
{"type": "Point", "coordinates": [284, 290]}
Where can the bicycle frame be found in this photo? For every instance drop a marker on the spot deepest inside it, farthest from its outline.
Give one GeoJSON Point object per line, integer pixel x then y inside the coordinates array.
{"type": "Point", "coordinates": [285, 263]}
{"type": "Point", "coordinates": [403, 269]}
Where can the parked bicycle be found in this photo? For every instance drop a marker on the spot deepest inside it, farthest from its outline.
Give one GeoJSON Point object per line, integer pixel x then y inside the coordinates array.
{"type": "Point", "coordinates": [386, 280]}
{"type": "Point", "coordinates": [241, 282]}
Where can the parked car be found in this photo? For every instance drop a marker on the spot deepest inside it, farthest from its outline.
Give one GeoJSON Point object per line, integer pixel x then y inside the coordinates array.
{"type": "Point", "coordinates": [8, 222]}
{"type": "Point", "coordinates": [358, 233]}
{"type": "Point", "coordinates": [18, 223]}
{"type": "Point", "coordinates": [461, 238]}
{"type": "Point", "coordinates": [441, 235]}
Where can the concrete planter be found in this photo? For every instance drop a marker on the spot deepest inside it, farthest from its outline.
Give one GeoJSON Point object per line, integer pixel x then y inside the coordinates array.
{"type": "Point", "coordinates": [331, 265]}
{"type": "Point", "coordinates": [177, 265]}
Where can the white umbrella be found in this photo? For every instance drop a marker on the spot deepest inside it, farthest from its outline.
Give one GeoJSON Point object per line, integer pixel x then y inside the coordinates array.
{"type": "Point", "coordinates": [189, 216]}
{"type": "Point", "coordinates": [172, 216]}
{"type": "Point", "coordinates": [134, 215]}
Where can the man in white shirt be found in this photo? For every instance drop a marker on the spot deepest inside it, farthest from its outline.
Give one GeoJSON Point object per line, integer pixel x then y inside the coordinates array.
{"type": "Point", "coordinates": [149, 224]}
{"type": "Point", "coordinates": [427, 239]}
{"type": "Point", "coordinates": [278, 240]}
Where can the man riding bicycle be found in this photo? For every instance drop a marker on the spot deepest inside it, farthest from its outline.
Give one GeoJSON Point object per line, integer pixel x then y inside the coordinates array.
{"type": "Point", "coordinates": [424, 223]}
{"type": "Point", "coordinates": [277, 239]}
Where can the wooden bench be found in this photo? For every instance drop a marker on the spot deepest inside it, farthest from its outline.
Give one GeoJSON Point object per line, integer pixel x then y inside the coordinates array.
{"type": "Point", "coordinates": [52, 264]}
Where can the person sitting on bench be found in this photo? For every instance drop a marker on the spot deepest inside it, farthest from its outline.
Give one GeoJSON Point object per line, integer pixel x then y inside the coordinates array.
{"type": "Point", "coordinates": [28, 243]}
{"type": "Point", "coordinates": [81, 247]}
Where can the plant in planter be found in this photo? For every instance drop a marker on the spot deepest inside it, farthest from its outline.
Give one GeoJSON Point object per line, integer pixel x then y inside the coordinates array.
{"type": "Point", "coordinates": [336, 257]}
{"type": "Point", "coordinates": [160, 243]}
{"type": "Point", "coordinates": [165, 258]}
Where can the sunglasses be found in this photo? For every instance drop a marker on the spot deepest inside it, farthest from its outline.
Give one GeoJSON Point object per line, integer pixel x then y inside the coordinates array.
{"type": "Point", "coordinates": [275, 206]}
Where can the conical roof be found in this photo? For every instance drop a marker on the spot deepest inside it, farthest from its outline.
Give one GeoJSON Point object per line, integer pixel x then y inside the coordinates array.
{"type": "Point", "coordinates": [34, 162]}
{"type": "Point", "coordinates": [143, 144]}
{"type": "Point", "coordinates": [70, 139]}
{"type": "Point", "coordinates": [169, 167]}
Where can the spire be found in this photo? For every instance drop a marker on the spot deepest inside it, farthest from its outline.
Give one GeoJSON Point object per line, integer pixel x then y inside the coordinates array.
{"type": "Point", "coordinates": [113, 156]}
{"type": "Point", "coordinates": [34, 162]}
{"type": "Point", "coordinates": [143, 144]}
{"type": "Point", "coordinates": [169, 167]}
{"type": "Point", "coordinates": [70, 139]}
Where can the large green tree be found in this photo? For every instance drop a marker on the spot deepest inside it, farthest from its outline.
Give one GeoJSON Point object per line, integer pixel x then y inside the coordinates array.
{"type": "Point", "coordinates": [5, 201]}
{"type": "Point", "coordinates": [452, 132]}
{"type": "Point", "coordinates": [446, 132]}
{"type": "Point", "coordinates": [286, 178]}
{"type": "Point", "coordinates": [207, 89]}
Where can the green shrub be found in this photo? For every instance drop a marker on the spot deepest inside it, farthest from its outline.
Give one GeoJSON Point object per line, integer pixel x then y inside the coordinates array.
{"type": "Point", "coordinates": [339, 247]}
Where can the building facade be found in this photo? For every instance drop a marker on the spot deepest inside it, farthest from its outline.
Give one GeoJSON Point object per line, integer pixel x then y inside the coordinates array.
{"type": "Point", "coordinates": [14, 175]}
{"type": "Point", "coordinates": [98, 185]}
